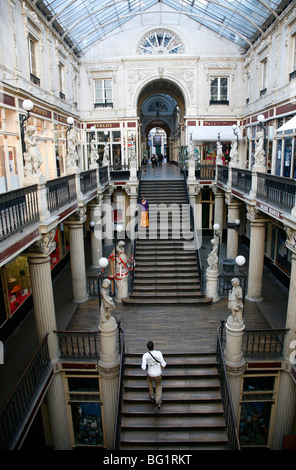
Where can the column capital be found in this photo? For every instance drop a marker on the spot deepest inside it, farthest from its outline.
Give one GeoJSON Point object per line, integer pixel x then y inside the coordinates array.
{"type": "Point", "coordinates": [43, 246]}
{"type": "Point", "coordinates": [78, 218]}
{"type": "Point", "coordinates": [231, 200]}
{"type": "Point", "coordinates": [254, 215]}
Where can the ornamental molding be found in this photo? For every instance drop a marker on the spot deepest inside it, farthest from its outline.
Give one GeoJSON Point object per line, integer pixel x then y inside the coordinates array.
{"type": "Point", "coordinates": [45, 245]}
{"type": "Point", "coordinates": [33, 17]}
{"type": "Point", "coordinates": [291, 239]}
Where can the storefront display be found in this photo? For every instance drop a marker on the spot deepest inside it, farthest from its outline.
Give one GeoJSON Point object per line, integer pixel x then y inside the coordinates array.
{"type": "Point", "coordinates": [17, 277]}
{"type": "Point", "coordinates": [86, 411]}
{"type": "Point", "coordinates": [258, 397]}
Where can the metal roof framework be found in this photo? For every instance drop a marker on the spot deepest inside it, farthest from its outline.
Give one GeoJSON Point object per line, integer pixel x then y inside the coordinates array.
{"type": "Point", "coordinates": [82, 23]}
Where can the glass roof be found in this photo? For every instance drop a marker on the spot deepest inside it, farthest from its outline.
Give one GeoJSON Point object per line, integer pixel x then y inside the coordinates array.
{"type": "Point", "coordinates": [81, 23]}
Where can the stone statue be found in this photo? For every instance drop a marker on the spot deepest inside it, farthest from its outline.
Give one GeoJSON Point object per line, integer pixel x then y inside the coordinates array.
{"type": "Point", "coordinates": [106, 153]}
{"type": "Point", "coordinates": [259, 150]}
{"type": "Point", "coordinates": [72, 156]}
{"type": "Point", "coordinates": [213, 257]}
{"type": "Point", "coordinates": [107, 304]}
{"type": "Point", "coordinates": [93, 152]}
{"type": "Point", "coordinates": [235, 301]}
{"type": "Point", "coordinates": [32, 156]}
{"type": "Point", "coordinates": [219, 155]}
{"type": "Point", "coordinates": [233, 154]}
{"type": "Point", "coordinates": [121, 270]}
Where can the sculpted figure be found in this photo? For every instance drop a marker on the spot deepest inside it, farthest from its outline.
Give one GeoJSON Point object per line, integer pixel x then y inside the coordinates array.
{"type": "Point", "coordinates": [259, 151]}
{"type": "Point", "coordinates": [219, 155]}
{"type": "Point", "coordinates": [233, 154]}
{"type": "Point", "coordinates": [72, 156]}
{"type": "Point", "coordinates": [32, 156]}
{"type": "Point", "coordinates": [106, 153]}
{"type": "Point", "coordinates": [213, 256]}
{"type": "Point", "coordinates": [121, 261]}
{"type": "Point", "coordinates": [93, 151]}
{"type": "Point", "coordinates": [107, 304]}
{"type": "Point", "coordinates": [235, 301]}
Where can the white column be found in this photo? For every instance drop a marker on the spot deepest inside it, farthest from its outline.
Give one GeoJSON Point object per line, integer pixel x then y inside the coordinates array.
{"type": "Point", "coordinates": [107, 228]}
{"type": "Point", "coordinates": [57, 409]}
{"type": "Point", "coordinates": [291, 308]}
{"type": "Point", "coordinates": [44, 311]}
{"type": "Point", "coordinates": [256, 257]}
{"type": "Point", "coordinates": [42, 291]}
{"type": "Point", "coordinates": [109, 372]}
{"type": "Point", "coordinates": [77, 256]}
{"type": "Point", "coordinates": [95, 215]}
{"type": "Point", "coordinates": [219, 211]}
{"type": "Point", "coordinates": [232, 234]}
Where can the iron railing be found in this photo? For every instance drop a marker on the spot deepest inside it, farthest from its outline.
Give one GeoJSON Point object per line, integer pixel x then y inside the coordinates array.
{"type": "Point", "coordinates": [233, 440]}
{"type": "Point", "coordinates": [116, 436]}
{"type": "Point", "coordinates": [222, 175]}
{"type": "Point", "coordinates": [60, 191]}
{"type": "Point", "coordinates": [119, 172]}
{"type": "Point", "coordinates": [103, 175]}
{"type": "Point", "coordinates": [88, 181]}
{"type": "Point", "coordinates": [79, 344]}
{"type": "Point", "coordinates": [241, 179]}
{"type": "Point", "coordinates": [276, 190]}
{"type": "Point", "coordinates": [17, 409]}
{"type": "Point", "coordinates": [18, 210]}
{"type": "Point", "coordinates": [264, 343]}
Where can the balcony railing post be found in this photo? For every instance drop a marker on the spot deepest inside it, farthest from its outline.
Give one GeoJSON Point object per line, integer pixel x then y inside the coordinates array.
{"type": "Point", "coordinates": [44, 213]}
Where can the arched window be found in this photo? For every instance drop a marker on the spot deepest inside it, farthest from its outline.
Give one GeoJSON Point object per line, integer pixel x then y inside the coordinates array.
{"type": "Point", "coordinates": [160, 41]}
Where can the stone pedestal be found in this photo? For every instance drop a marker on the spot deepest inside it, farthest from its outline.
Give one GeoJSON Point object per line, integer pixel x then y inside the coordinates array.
{"type": "Point", "coordinates": [41, 194]}
{"type": "Point", "coordinates": [212, 276]}
{"type": "Point", "coordinates": [191, 170]}
{"type": "Point", "coordinates": [133, 170]}
{"type": "Point", "coordinates": [234, 360]}
{"type": "Point", "coordinates": [121, 288]}
{"type": "Point", "coordinates": [109, 372]}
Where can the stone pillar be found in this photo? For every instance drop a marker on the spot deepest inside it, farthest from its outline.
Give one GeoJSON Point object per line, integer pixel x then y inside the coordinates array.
{"type": "Point", "coordinates": [284, 422]}
{"type": "Point", "coordinates": [191, 170]}
{"type": "Point", "coordinates": [77, 257]}
{"type": "Point", "coordinates": [95, 215]}
{"type": "Point", "coordinates": [291, 308]}
{"type": "Point", "coordinates": [131, 190]}
{"type": "Point", "coordinates": [219, 210]}
{"type": "Point", "coordinates": [42, 291]}
{"type": "Point", "coordinates": [232, 234]}
{"type": "Point", "coordinates": [109, 372]}
{"type": "Point", "coordinates": [44, 311]}
{"type": "Point", "coordinates": [107, 227]}
{"type": "Point", "coordinates": [256, 257]}
{"type": "Point", "coordinates": [57, 409]}
{"type": "Point", "coordinates": [234, 361]}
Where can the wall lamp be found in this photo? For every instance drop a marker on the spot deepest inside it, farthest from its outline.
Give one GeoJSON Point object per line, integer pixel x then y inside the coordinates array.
{"type": "Point", "coordinates": [92, 225]}
{"type": "Point", "coordinates": [240, 261]}
{"type": "Point", "coordinates": [28, 106]}
{"type": "Point", "coordinates": [234, 224]}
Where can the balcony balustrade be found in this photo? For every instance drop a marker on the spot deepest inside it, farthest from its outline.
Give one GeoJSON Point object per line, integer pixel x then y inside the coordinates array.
{"type": "Point", "coordinates": [18, 210]}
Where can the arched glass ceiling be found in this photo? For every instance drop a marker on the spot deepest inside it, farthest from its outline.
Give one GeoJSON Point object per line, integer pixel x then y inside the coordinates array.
{"type": "Point", "coordinates": [81, 23]}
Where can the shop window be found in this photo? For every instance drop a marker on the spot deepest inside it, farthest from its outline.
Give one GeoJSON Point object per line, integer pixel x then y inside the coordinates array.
{"type": "Point", "coordinates": [17, 279]}
{"type": "Point", "coordinates": [86, 411]}
{"type": "Point", "coordinates": [258, 396]}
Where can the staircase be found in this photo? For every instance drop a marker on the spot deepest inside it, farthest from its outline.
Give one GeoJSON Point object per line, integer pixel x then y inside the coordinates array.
{"type": "Point", "coordinates": [166, 271]}
{"type": "Point", "coordinates": [191, 416]}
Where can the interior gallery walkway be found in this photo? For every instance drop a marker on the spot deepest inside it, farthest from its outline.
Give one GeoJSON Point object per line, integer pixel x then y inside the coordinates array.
{"type": "Point", "coordinates": [160, 324]}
